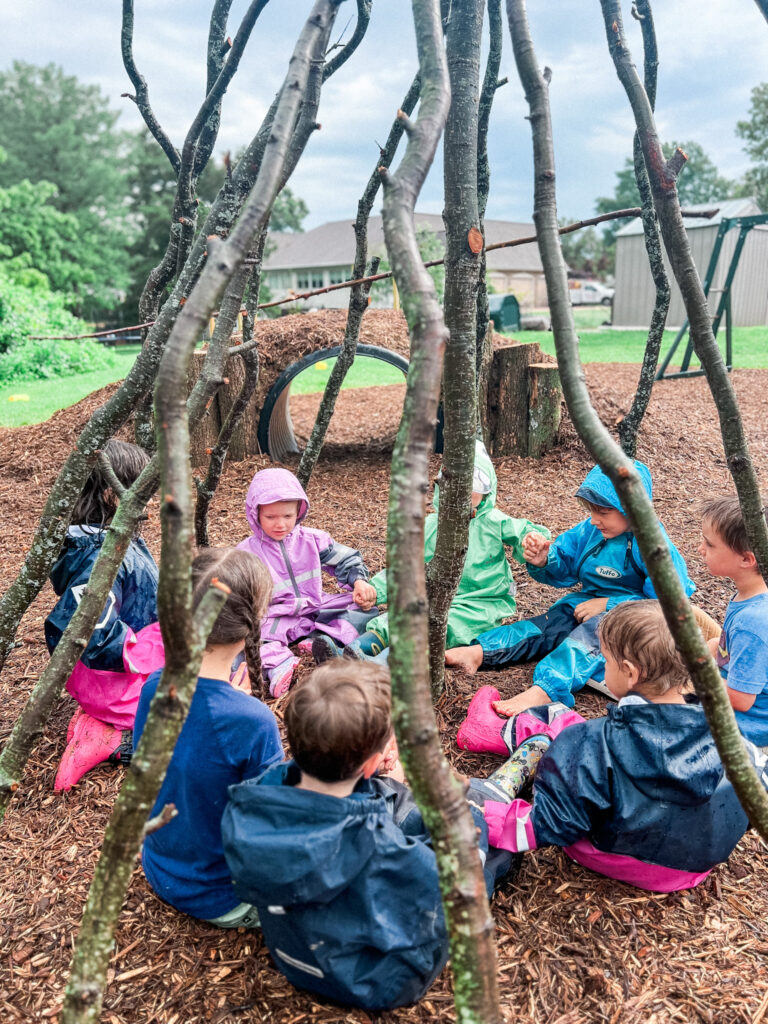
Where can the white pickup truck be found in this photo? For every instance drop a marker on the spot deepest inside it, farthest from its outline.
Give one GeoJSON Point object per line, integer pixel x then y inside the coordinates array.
{"type": "Point", "coordinates": [590, 293]}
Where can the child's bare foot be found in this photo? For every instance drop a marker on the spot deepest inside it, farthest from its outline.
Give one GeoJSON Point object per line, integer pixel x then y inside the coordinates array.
{"type": "Point", "coordinates": [469, 658]}
{"type": "Point", "coordinates": [533, 697]}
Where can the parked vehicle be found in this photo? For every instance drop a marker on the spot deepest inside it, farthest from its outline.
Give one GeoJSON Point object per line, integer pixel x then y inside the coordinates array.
{"type": "Point", "coordinates": [590, 293]}
{"type": "Point", "coordinates": [504, 311]}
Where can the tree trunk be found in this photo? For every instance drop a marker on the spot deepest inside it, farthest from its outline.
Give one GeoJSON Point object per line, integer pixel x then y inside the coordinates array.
{"type": "Point", "coordinates": [463, 243]}
{"type": "Point", "coordinates": [358, 298]}
{"type": "Point", "coordinates": [662, 177]}
{"type": "Point", "coordinates": [544, 399]}
{"type": "Point", "coordinates": [183, 636]}
{"type": "Point", "coordinates": [645, 525]}
{"type": "Point", "coordinates": [630, 425]}
{"type": "Point", "coordinates": [437, 791]}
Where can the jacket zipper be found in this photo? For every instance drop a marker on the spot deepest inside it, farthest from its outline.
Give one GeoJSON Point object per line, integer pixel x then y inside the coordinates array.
{"type": "Point", "coordinates": [289, 567]}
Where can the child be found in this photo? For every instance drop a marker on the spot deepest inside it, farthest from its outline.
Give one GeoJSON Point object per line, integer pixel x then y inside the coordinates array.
{"type": "Point", "coordinates": [275, 507]}
{"type": "Point", "coordinates": [337, 860]}
{"type": "Point", "coordinates": [486, 593]}
{"type": "Point", "coordinates": [601, 554]}
{"type": "Point", "coordinates": [640, 795]}
{"type": "Point", "coordinates": [107, 679]}
{"type": "Point", "coordinates": [228, 736]}
{"type": "Point", "coordinates": [742, 651]}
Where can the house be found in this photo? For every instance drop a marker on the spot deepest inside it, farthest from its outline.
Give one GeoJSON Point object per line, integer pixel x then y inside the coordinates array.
{"type": "Point", "coordinates": [300, 262]}
{"type": "Point", "coordinates": [635, 293]}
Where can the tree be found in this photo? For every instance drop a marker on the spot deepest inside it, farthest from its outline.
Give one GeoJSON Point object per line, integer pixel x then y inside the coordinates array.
{"type": "Point", "coordinates": [585, 251]}
{"type": "Point", "coordinates": [699, 182]}
{"type": "Point", "coordinates": [754, 131]}
{"type": "Point", "coordinates": [151, 185]}
{"type": "Point", "coordinates": [54, 128]}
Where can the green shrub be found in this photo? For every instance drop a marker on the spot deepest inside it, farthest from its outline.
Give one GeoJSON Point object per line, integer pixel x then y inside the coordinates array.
{"type": "Point", "coordinates": [27, 307]}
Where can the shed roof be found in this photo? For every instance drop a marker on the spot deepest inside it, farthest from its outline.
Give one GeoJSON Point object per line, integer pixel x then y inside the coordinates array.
{"type": "Point", "coordinates": [333, 244]}
{"type": "Point", "coordinates": [725, 208]}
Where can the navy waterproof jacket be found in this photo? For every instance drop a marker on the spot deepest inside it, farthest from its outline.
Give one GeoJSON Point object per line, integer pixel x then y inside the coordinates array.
{"type": "Point", "coordinates": [131, 604]}
{"type": "Point", "coordinates": [646, 781]}
{"type": "Point", "coordinates": [346, 888]}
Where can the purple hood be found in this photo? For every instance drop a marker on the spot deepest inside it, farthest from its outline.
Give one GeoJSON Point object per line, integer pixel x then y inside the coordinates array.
{"type": "Point", "coordinates": [273, 485]}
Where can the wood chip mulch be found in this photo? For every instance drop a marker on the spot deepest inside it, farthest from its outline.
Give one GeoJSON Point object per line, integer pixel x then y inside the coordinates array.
{"type": "Point", "coordinates": [573, 947]}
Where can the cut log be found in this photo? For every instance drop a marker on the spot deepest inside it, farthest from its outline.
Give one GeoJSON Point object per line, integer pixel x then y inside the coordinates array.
{"type": "Point", "coordinates": [544, 404]}
{"type": "Point", "coordinates": [244, 441]}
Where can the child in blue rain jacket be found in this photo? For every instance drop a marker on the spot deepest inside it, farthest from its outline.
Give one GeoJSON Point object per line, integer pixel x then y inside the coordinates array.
{"type": "Point", "coordinates": [602, 555]}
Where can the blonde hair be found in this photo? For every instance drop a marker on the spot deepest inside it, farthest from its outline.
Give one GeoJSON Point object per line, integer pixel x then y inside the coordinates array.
{"type": "Point", "coordinates": [636, 631]}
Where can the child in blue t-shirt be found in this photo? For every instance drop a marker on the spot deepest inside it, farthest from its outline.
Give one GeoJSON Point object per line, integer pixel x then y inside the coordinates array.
{"type": "Point", "coordinates": [229, 736]}
{"type": "Point", "coordinates": [742, 650]}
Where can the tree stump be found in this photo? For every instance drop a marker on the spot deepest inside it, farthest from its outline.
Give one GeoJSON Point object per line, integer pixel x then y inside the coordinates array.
{"type": "Point", "coordinates": [523, 401]}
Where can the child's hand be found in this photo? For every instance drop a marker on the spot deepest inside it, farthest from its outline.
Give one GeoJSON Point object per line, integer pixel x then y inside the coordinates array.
{"type": "Point", "coordinates": [390, 762]}
{"type": "Point", "coordinates": [588, 609]}
{"type": "Point", "coordinates": [241, 680]}
{"type": "Point", "coordinates": [364, 595]}
{"type": "Point", "coordinates": [536, 549]}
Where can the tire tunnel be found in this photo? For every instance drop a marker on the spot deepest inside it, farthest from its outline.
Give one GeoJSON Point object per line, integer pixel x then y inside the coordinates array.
{"type": "Point", "coordinates": [275, 429]}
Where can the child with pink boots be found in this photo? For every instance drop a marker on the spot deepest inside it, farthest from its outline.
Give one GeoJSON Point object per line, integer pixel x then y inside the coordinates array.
{"type": "Point", "coordinates": [296, 556]}
{"type": "Point", "coordinates": [126, 645]}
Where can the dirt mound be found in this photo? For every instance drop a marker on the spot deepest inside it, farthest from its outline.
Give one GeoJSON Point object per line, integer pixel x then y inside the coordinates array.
{"type": "Point", "coordinates": [573, 948]}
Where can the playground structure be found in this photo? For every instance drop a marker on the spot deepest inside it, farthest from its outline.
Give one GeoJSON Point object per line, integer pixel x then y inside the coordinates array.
{"type": "Point", "coordinates": [521, 388]}
{"type": "Point", "coordinates": [723, 309]}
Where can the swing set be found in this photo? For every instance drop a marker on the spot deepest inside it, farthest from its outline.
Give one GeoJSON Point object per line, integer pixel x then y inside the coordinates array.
{"type": "Point", "coordinates": [723, 311]}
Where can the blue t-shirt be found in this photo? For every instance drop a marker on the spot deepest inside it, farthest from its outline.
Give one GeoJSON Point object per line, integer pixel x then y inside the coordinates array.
{"type": "Point", "coordinates": [742, 655]}
{"type": "Point", "coordinates": [228, 737]}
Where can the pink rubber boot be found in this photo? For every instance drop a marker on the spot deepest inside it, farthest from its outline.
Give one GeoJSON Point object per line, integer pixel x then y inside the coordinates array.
{"type": "Point", "coordinates": [71, 726]}
{"type": "Point", "coordinates": [481, 729]}
{"type": "Point", "coordinates": [92, 743]}
{"type": "Point", "coordinates": [281, 677]}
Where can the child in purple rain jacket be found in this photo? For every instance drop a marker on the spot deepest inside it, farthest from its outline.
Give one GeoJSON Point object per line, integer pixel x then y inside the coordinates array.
{"type": "Point", "coordinates": [295, 555]}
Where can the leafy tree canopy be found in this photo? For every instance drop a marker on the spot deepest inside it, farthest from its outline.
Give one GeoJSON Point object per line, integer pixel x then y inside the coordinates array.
{"type": "Point", "coordinates": [754, 132]}
{"type": "Point", "coordinates": [55, 129]}
{"type": "Point", "coordinates": [698, 182]}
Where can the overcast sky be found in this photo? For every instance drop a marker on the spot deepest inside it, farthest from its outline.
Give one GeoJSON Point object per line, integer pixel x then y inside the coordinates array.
{"type": "Point", "coordinates": [712, 53]}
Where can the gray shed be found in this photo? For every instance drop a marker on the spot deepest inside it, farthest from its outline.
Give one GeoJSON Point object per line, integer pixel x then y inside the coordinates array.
{"type": "Point", "coordinates": [635, 294]}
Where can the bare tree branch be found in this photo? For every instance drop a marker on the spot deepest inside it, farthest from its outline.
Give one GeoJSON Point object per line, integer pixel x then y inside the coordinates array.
{"type": "Point", "coordinates": [141, 99]}
{"type": "Point", "coordinates": [363, 18]}
{"type": "Point", "coordinates": [645, 526]}
{"type": "Point", "coordinates": [438, 792]}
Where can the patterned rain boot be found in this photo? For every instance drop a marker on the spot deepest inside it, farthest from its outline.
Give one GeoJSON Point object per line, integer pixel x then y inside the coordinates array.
{"type": "Point", "coordinates": [365, 647]}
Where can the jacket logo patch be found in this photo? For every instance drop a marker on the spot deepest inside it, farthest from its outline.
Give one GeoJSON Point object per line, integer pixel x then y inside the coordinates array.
{"type": "Point", "coordinates": [608, 572]}
{"type": "Point", "coordinates": [77, 593]}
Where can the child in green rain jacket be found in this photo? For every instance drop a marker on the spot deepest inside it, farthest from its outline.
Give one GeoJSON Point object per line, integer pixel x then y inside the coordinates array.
{"type": "Point", "coordinates": [486, 593]}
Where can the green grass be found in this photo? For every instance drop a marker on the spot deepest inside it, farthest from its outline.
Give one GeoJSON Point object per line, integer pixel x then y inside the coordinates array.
{"type": "Point", "coordinates": [45, 397]}
{"type": "Point", "coordinates": [750, 345]}
{"type": "Point", "coordinates": [365, 372]}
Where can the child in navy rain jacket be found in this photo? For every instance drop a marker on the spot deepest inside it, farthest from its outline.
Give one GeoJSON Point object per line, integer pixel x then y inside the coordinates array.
{"type": "Point", "coordinates": [602, 555]}
{"type": "Point", "coordinates": [107, 679]}
{"type": "Point", "coordinates": [337, 860]}
{"type": "Point", "coordinates": [640, 795]}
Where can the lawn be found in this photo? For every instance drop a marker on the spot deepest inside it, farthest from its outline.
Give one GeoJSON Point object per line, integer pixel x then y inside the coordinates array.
{"type": "Point", "coordinates": [597, 344]}
{"type": "Point", "coordinates": [36, 400]}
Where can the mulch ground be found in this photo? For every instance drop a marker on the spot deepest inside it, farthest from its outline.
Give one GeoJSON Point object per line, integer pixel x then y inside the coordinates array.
{"type": "Point", "coordinates": [573, 947]}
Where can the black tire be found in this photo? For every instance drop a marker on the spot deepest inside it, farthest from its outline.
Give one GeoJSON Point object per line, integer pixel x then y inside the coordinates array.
{"type": "Point", "coordinates": [288, 374]}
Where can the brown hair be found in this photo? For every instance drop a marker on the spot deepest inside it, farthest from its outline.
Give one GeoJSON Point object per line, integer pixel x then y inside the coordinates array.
{"type": "Point", "coordinates": [97, 503]}
{"type": "Point", "coordinates": [726, 519]}
{"type": "Point", "coordinates": [251, 588]}
{"type": "Point", "coordinates": [636, 631]}
{"type": "Point", "coordinates": [338, 717]}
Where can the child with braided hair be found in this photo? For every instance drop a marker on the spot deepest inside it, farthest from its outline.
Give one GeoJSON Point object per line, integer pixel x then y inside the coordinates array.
{"type": "Point", "coordinates": [228, 737]}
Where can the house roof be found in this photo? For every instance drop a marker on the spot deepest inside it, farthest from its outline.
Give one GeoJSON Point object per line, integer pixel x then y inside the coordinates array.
{"type": "Point", "coordinates": [725, 208]}
{"type": "Point", "coordinates": [333, 244]}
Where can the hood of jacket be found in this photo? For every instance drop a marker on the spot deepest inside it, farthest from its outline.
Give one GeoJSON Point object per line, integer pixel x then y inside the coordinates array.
{"type": "Point", "coordinates": [483, 473]}
{"type": "Point", "coordinates": [598, 489]}
{"type": "Point", "coordinates": [290, 846]}
{"type": "Point", "coordinates": [81, 546]}
{"type": "Point", "coordinates": [273, 485]}
{"type": "Point", "coordinates": [667, 750]}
